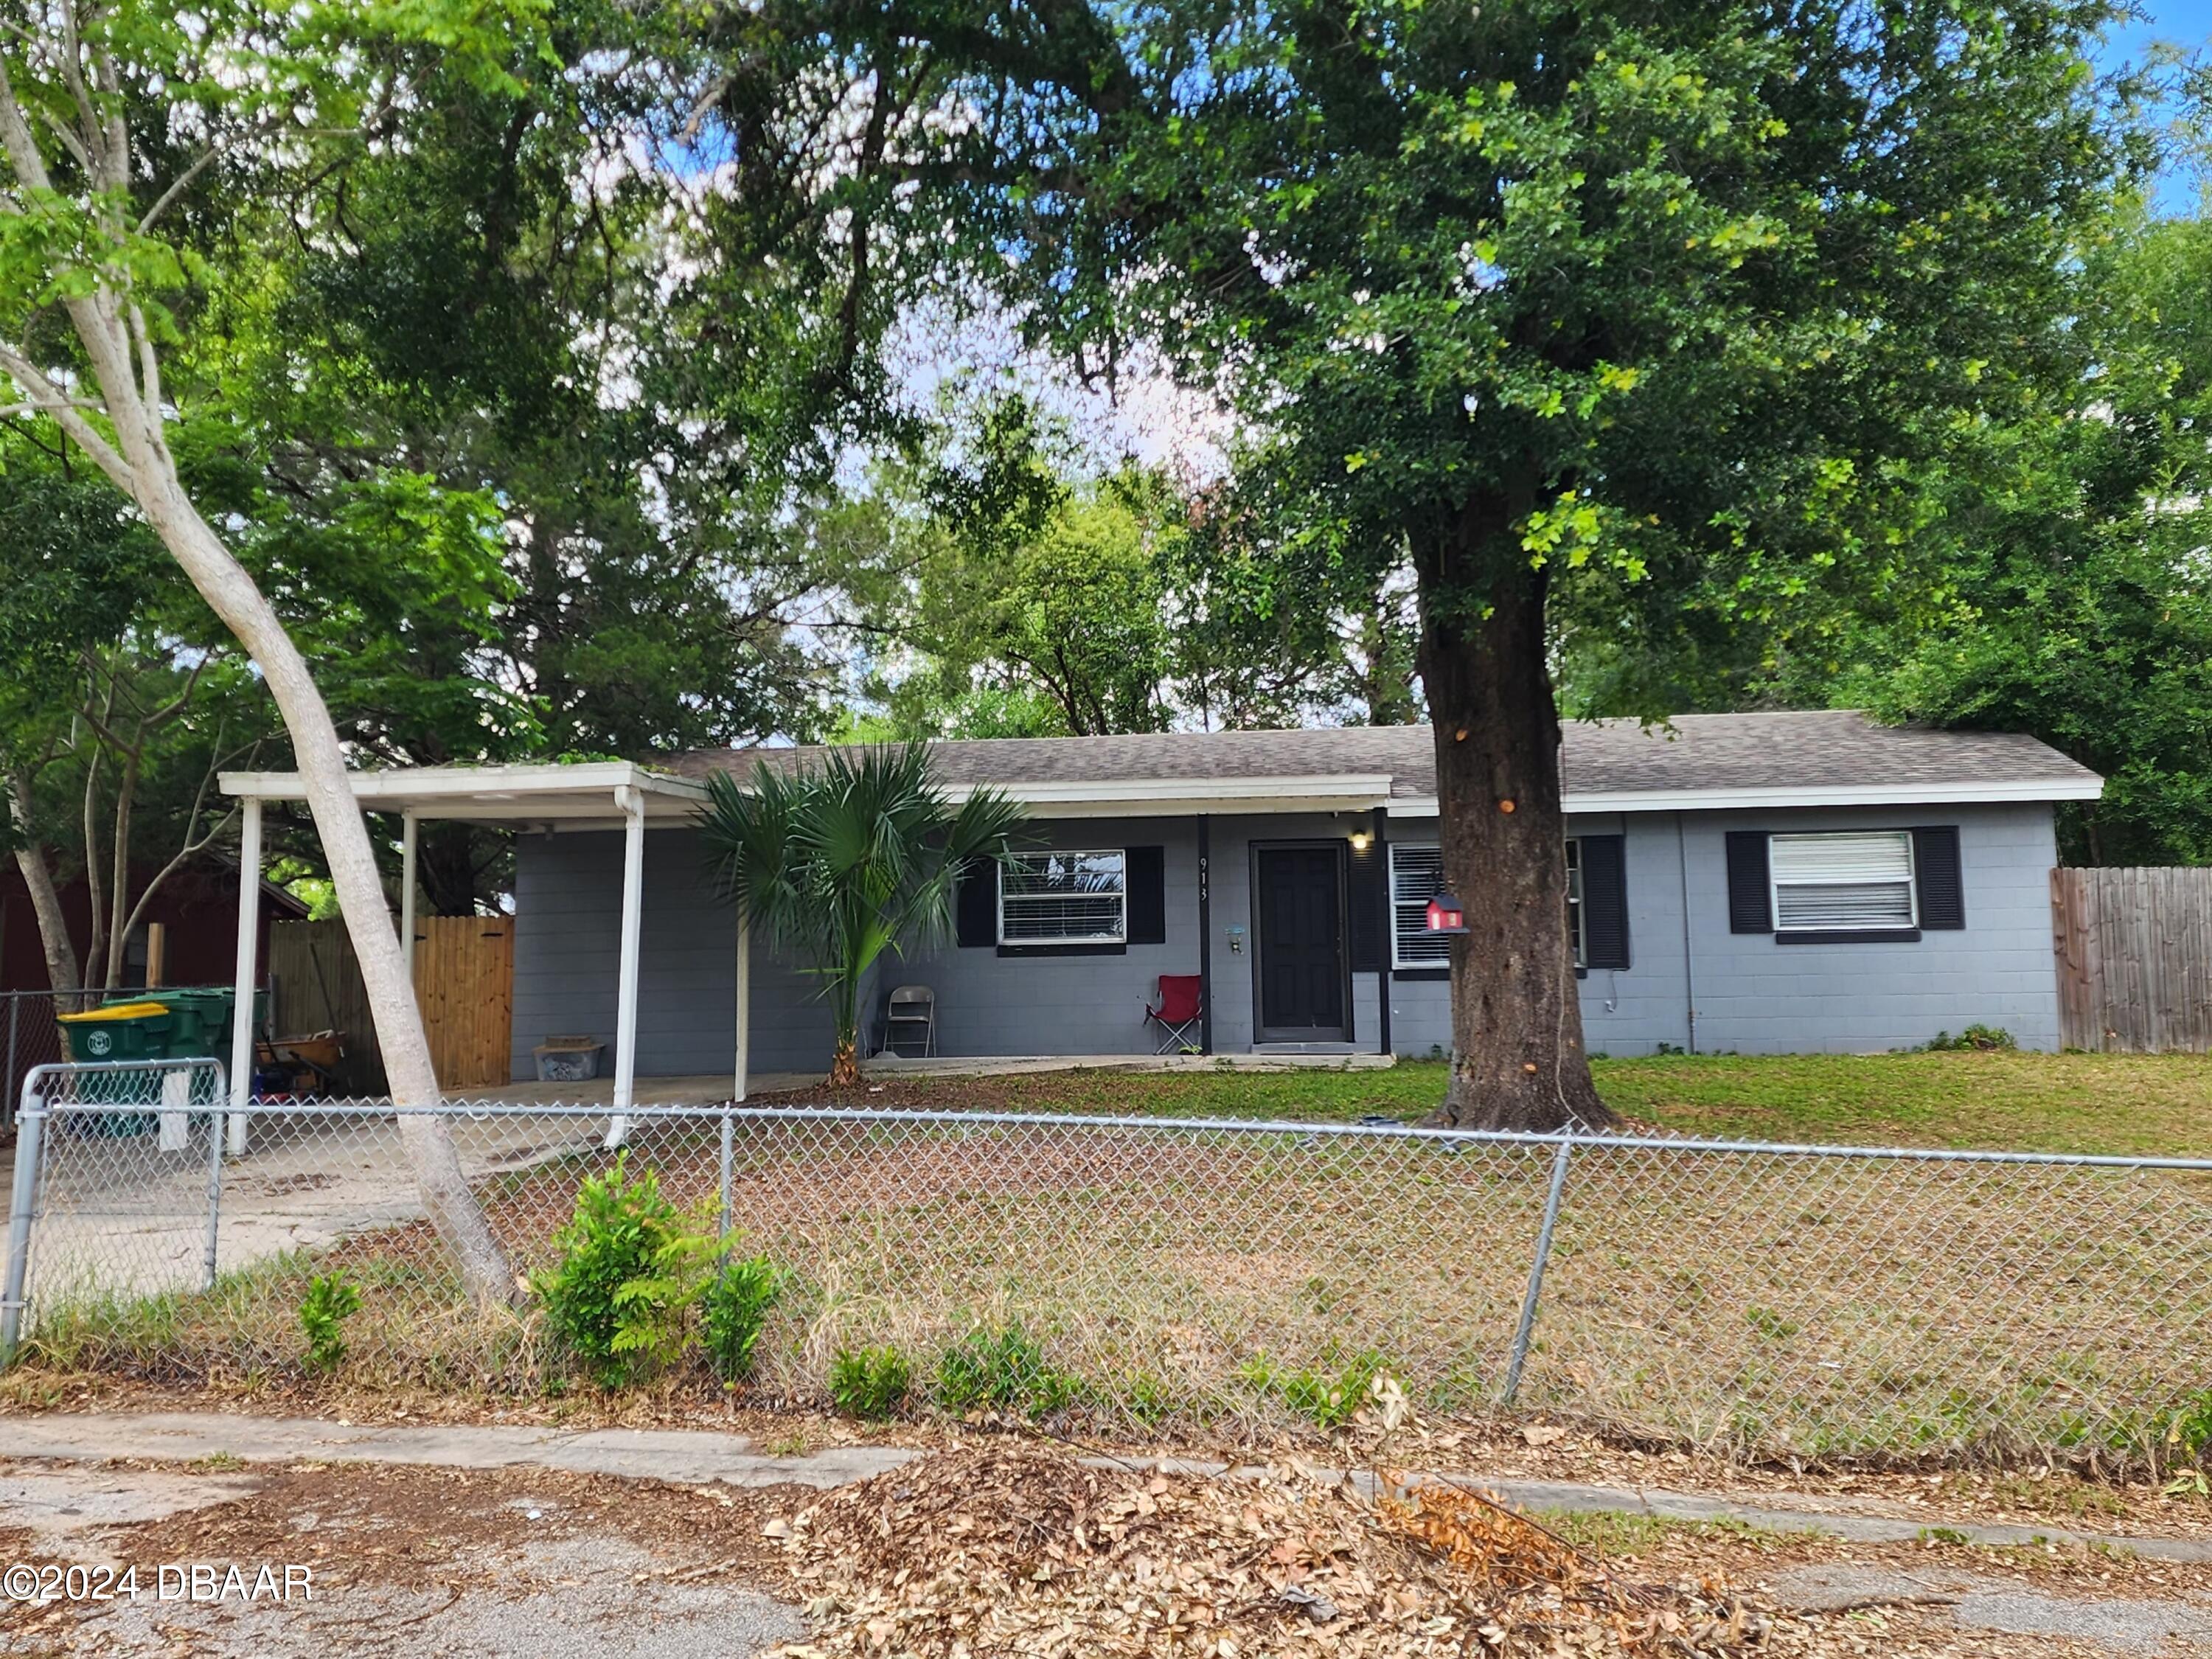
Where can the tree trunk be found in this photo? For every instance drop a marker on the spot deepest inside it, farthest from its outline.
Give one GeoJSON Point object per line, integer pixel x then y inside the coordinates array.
{"type": "Point", "coordinates": [145, 469]}
{"type": "Point", "coordinates": [119, 885]}
{"type": "Point", "coordinates": [1518, 1060]}
{"type": "Point", "coordinates": [845, 1062]}
{"type": "Point", "coordinates": [62, 972]}
{"type": "Point", "coordinates": [95, 892]}
{"type": "Point", "coordinates": [121, 351]}
{"type": "Point", "coordinates": [230, 592]}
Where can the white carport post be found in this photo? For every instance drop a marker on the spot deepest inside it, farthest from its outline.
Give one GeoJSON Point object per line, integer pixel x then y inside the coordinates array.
{"type": "Point", "coordinates": [631, 800]}
{"type": "Point", "coordinates": [744, 1000]}
{"type": "Point", "coordinates": [407, 837]}
{"type": "Point", "coordinates": [249, 931]}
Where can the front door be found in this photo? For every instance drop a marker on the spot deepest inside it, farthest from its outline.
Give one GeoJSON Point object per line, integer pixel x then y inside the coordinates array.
{"type": "Point", "coordinates": [1301, 944]}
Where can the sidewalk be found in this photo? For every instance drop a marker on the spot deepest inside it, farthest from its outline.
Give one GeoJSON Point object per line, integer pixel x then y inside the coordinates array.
{"type": "Point", "coordinates": [691, 1456]}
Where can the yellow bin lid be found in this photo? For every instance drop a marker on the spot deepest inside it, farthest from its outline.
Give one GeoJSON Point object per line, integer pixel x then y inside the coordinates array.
{"type": "Point", "coordinates": [115, 1011]}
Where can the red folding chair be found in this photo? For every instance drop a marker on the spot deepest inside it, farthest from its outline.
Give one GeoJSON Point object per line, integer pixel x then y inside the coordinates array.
{"type": "Point", "coordinates": [1178, 1009]}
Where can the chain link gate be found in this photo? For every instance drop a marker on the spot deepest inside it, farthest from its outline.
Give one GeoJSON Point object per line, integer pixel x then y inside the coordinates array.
{"type": "Point", "coordinates": [175, 1103]}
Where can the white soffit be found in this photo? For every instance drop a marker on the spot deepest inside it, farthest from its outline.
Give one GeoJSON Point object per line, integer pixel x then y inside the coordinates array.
{"type": "Point", "coordinates": [1357, 792]}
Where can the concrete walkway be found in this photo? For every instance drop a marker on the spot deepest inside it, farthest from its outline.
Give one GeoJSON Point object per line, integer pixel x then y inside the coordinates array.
{"type": "Point", "coordinates": [701, 1457]}
{"type": "Point", "coordinates": [688, 1456]}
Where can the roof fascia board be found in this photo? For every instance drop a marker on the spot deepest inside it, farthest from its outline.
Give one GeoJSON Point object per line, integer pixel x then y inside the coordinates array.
{"type": "Point", "coordinates": [481, 783]}
{"type": "Point", "coordinates": [1864, 795]}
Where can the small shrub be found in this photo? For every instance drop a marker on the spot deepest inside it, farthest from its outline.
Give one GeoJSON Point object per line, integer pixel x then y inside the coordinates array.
{"type": "Point", "coordinates": [331, 1299]}
{"type": "Point", "coordinates": [1004, 1368]}
{"type": "Point", "coordinates": [2185, 1429]}
{"type": "Point", "coordinates": [1978, 1039]}
{"type": "Point", "coordinates": [869, 1382]}
{"type": "Point", "coordinates": [1326, 1402]}
{"type": "Point", "coordinates": [632, 1267]}
{"type": "Point", "coordinates": [1149, 1400]}
{"type": "Point", "coordinates": [736, 1305]}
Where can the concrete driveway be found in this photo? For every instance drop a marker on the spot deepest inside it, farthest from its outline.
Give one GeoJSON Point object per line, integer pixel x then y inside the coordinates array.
{"type": "Point", "coordinates": [410, 1564]}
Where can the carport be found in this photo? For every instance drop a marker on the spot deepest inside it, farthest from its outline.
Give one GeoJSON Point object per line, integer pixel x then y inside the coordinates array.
{"type": "Point", "coordinates": [549, 800]}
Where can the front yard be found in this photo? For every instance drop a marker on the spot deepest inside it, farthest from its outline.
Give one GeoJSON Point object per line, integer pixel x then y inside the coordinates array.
{"type": "Point", "coordinates": [2073, 1103]}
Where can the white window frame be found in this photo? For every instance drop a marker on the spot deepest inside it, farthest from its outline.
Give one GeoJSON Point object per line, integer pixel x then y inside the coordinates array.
{"type": "Point", "coordinates": [1399, 962]}
{"type": "Point", "coordinates": [1578, 912]}
{"type": "Point", "coordinates": [1888, 925]}
{"type": "Point", "coordinates": [1055, 940]}
{"type": "Point", "coordinates": [1575, 923]}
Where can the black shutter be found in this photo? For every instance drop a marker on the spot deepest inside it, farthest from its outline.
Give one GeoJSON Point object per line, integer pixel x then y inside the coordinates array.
{"type": "Point", "coordinates": [1750, 909]}
{"type": "Point", "coordinates": [1605, 900]}
{"type": "Point", "coordinates": [1935, 872]}
{"type": "Point", "coordinates": [1362, 894]}
{"type": "Point", "coordinates": [1147, 873]}
{"type": "Point", "coordinates": [976, 905]}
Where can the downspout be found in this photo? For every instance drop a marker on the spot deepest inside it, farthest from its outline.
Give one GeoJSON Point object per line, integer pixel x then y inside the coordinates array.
{"type": "Point", "coordinates": [1689, 966]}
{"type": "Point", "coordinates": [1383, 961]}
{"type": "Point", "coordinates": [1205, 934]}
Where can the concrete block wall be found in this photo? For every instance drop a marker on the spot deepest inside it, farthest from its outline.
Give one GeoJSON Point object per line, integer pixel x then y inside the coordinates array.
{"type": "Point", "coordinates": [1750, 994]}
{"type": "Point", "coordinates": [568, 938]}
{"type": "Point", "coordinates": [1753, 995]}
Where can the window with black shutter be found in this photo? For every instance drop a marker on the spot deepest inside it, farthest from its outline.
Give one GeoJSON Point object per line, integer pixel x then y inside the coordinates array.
{"type": "Point", "coordinates": [1940, 881]}
{"type": "Point", "coordinates": [1148, 894]}
{"type": "Point", "coordinates": [1601, 866]}
{"type": "Point", "coordinates": [975, 906]}
{"type": "Point", "coordinates": [1597, 905]}
{"type": "Point", "coordinates": [1751, 905]}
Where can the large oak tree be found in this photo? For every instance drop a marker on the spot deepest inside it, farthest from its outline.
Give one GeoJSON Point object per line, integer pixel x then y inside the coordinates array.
{"type": "Point", "coordinates": [1579, 309]}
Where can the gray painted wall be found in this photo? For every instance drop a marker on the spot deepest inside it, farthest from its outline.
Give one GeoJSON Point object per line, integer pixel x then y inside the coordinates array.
{"type": "Point", "coordinates": [1754, 996]}
{"type": "Point", "coordinates": [568, 936]}
{"type": "Point", "coordinates": [1751, 994]}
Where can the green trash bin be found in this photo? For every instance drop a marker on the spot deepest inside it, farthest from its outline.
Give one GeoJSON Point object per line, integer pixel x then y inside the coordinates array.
{"type": "Point", "coordinates": [200, 1017]}
{"type": "Point", "coordinates": [136, 1030]}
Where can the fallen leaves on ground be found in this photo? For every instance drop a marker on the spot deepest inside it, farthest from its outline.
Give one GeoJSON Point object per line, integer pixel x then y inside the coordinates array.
{"type": "Point", "coordinates": [1033, 1553]}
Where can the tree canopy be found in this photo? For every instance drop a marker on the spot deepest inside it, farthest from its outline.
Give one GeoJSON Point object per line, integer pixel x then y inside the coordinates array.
{"type": "Point", "coordinates": [1601, 320]}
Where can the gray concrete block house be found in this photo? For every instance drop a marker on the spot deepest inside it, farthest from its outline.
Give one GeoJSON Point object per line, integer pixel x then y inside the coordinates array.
{"type": "Point", "coordinates": [1763, 883]}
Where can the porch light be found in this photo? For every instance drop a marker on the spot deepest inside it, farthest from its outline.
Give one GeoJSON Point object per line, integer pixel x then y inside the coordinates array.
{"type": "Point", "coordinates": [1446, 914]}
{"type": "Point", "coordinates": [1362, 840]}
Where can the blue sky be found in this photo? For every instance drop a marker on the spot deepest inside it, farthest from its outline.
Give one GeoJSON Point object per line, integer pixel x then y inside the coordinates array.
{"type": "Point", "coordinates": [2185, 23]}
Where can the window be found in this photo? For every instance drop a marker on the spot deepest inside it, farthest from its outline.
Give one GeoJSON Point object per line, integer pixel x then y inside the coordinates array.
{"type": "Point", "coordinates": [1416, 877]}
{"type": "Point", "coordinates": [1842, 882]}
{"type": "Point", "coordinates": [1065, 899]}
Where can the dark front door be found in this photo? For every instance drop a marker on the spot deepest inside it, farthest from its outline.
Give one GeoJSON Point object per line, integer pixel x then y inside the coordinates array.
{"type": "Point", "coordinates": [1301, 944]}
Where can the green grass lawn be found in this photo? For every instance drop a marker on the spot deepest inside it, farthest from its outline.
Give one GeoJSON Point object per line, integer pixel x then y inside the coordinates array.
{"type": "Point", "coordinates": [2120, 1103]}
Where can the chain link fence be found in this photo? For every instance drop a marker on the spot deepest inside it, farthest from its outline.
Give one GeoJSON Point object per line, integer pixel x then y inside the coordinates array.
{"type": "Point", "coordinates": [1157, 1276]}
{"type": "Point", "coordinates": [29, 1037]}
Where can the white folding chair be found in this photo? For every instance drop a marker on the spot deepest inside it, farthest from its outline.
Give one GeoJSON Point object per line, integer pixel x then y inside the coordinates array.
{"type": "Point", "coordinates": [911, 1019]}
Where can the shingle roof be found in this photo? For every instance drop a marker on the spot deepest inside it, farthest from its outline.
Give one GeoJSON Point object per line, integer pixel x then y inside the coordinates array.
{"type": "Point", "coordinates": [1824, 749]}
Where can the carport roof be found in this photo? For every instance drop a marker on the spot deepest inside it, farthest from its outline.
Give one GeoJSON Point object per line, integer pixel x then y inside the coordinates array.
{"type": "Point", "coordinates": [575, 796]}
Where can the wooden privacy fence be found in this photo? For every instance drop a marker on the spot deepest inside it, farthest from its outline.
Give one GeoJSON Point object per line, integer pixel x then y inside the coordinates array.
{"type": "Point", "coordinates": [464, 982]}
{"type": "Point", "coordinates": [314, 985]}
{"type": "Point", "coordinates": [2135, 960]}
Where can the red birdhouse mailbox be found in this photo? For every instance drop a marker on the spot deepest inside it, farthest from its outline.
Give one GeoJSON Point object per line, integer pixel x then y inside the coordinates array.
{"type": "Point", "coordinates": [1446, 914]}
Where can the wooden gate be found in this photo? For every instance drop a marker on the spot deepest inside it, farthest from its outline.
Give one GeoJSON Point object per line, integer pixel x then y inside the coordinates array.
{"type": "Point", "coordinates": [2135, 960]}
{"type": "Point", "coordinates": [464, 983]}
